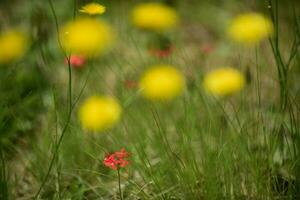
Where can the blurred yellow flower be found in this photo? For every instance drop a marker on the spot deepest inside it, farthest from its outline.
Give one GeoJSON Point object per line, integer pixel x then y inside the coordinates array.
{"type": "Point", "coordinates": [224, 81]}
{"type": "Point", "coordinates": [93, 9]}
{"type": "Point", "coordinates": [87, 36]}
{"type": "Point", "coordinates": [13, 45]}
{"type": "Point", "coordinates": [250, 28]}
{"type": "Point", "coordinates": [162, 83]}
{"type": "Point", "coordinates": [154, 16]}
{"type": "Point", "coordinates": [99, 113]}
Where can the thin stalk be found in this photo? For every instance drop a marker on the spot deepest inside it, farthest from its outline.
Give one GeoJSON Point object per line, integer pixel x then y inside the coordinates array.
{"type": "Point", "coordinates": [282, 69]}
{"type": "Point", "coordinates": [70, 108]}
{"type": "Point", "coordinates": [258, 77]}
{"type": "Point", "coordinates": [65, 128]}
{"type": "Point", "coordinates": [3, 178]}
{"type": "Point", "coordinates": [119, 183]}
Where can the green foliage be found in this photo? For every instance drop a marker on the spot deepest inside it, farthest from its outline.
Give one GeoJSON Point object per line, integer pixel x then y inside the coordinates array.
{"type": "Point", "coordinates": [4, 187]}
{"type": "Point", "coordinates": [245, 146]}
{"type": "Point", "coordinates": [21, 89]}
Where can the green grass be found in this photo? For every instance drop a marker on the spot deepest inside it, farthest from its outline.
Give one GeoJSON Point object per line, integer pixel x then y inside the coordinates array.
{"type": "Point", "coordinates": [245, 146]}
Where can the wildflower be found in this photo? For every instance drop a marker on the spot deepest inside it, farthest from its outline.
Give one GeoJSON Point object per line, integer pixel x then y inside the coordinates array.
{"type": "Point", "coordinates": [117, 160]}
{"type": "Point", "coordinates": [13, 45]}
{"type": "Point", "coordinates": [76, 61]}
{"type": "Point", "coordinates": [87, 36]}
{"type": "Point", "coordinates": [99, 113]}
{"type": "Point", "coordinates": [162, 83]}
{"type": "Point", "coordinates": [207, 48]}
{"type": "Point", "coordinates": [161, 46]}
{"type": "Point", "coordinates": [93, 9]}
{"type": "Point", "coordinates": [154, 16]}
{"type": "Point", "coordinates": [130, 84]}
{"type": "Point", "coordinates": [250, 28]}
{"type": "Point", "coordinates": [162, 53]}
{"type": "Point", "coordinates": [224, 81]}
{"type": "Point", "coordinates": [122, 154]}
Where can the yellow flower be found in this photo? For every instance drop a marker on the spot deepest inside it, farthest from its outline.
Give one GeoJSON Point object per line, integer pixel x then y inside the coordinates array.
{"type": "Point", "coordinates": [224, 81]}
{"type": "Point", "coordinates": [13, 45]}
{"type": "Point", "coordinates": [93, 9]}
{"type": "Point", "coordinates": [250, 28]}
{"type": "Point", "coordinates": [154, 16]}
{"type": "Point", "coordinates": [162, 83]}
{"type": "Point", "coordinates": [87, 36]}
{"type": "Point", "coordinates": [99, 113]}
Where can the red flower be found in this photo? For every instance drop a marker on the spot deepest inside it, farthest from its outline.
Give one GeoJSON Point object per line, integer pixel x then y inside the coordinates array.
{"type": "Point", "coordinates": [207, 48]}
{"type": "Point", "coordinates": [116, 160]}
{"type": "Point", "coordinates": [122, 154]}
{"type": "Point", "coordinates": [76, 61]}
{"type": "Point", "coordinates": [130, 84]}
{"type": "Point", "coordinates": [162, 53]}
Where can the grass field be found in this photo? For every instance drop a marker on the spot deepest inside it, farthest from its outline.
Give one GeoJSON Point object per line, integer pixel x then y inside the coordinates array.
{"type": "Point", "coordinates": [85, 114]}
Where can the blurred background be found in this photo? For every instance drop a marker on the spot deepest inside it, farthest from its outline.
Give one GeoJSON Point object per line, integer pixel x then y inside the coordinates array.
{"type": "Point", "coordinates": [241, 147]}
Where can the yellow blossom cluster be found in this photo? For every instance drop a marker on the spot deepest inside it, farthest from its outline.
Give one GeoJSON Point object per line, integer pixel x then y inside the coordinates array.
{"type": "Point", "coordinates": [13, 45]}
{"type": "Point", "coordinates": [250, 28]}
{"type": "Point", "coordinates": [162, 83]}
{"type": "Point", "coordinates": [87, 36]}
{"type": "Point", "coordinates": [154, 16]}
{"type": "Point", "coordinates": [99, 113]}
{"type": "Point", "coordinates": [223, 81]}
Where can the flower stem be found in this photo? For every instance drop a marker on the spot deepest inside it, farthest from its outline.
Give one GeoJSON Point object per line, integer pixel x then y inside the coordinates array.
{"type": "Point", "coordinates": [70, 109]}
{"type": "Point", "coordinates": [119, 181]}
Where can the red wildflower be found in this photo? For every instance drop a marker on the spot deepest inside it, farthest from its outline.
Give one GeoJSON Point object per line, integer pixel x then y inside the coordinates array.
{"type": "Point", "coordinates": [117, 160]}
{"type": "Point", "coordinates": [76, 61]}
{"type": "Point", "coordinates": [162, 53]}
{"type": "Point", "coordinates": [207, 48]}
{"type": "Point", "coordinates": [130, 84]}
{"type": "Point", "coordinates": [122, 154]}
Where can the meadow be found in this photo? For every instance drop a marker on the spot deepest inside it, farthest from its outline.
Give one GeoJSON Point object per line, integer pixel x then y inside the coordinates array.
{"type": "Point", "coordinates": [166, 99]}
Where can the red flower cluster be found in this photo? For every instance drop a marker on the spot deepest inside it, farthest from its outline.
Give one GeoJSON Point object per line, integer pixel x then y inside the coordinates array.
{"type": "Point", "coordinates": [162, 53]}
{"type": "Point", "coordinates": [130, 84]}
{"type": "Point", "coordinates": [77, 61]}
{"type": "Point", "coordinates": [117, 160]}
{"type": "Point", "coordinates": [207, 48]}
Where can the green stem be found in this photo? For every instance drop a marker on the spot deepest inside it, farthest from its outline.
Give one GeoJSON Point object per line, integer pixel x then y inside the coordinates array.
{"type": "Point", "coordinates": [119, 182]}
{"type": "Point", "coordinates": [61, 136]}
{"type": "Point", "coordinates": [70, 109]}
{"type": "Point", "coordinates": [282, 68]}
{"type": "Point", "coordinates": [4, 193]}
